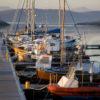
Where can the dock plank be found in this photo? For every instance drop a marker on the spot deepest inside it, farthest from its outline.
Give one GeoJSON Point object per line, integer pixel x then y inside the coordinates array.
{"type": "Point", "coordinates": [9, 85]}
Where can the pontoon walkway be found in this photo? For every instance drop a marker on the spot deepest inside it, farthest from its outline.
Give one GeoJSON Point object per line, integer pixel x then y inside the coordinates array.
{"type": "Point", "coordinates": [9, 84]}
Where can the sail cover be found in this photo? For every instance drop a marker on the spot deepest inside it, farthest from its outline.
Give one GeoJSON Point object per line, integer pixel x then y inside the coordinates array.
{"type": "Point", "coordinates": [56, 30]}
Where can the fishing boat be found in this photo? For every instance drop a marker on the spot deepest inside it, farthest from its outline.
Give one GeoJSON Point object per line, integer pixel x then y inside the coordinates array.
{"type": "Point", "coordinates": [21, 39]}
{"type": "Point", "coordinates": [82, 91]}
{"type": "Point", "coordinates": [45, 69]}
{"type": "Point", "coordinates": [43, 62]}
{"type": "Point", "coordinates": [69, 86]}
{"type": "Point", "coordinates": [57, 46]}
{"type": "Point", "coordinates": [55, 70]}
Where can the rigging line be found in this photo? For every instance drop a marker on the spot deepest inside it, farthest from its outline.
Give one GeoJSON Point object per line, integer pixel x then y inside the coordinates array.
{"type": "Point", "coordinates": [19, 17]}
{"type": "Point", "coordinates": [59, 13]}
{"type": "Point", "coordinates": [41, 88]}
{"type": "Point", "coordinates": [73, 19]}
{"type": "Point", "coordinates": [14, 17]}
{"type": "Point", "coordinates": [33, 17]}
{"type": "Point", "coordinates": [46, 96]}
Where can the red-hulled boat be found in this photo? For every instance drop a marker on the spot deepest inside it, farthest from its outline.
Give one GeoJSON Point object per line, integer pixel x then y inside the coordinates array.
{"type": "Point", "coordinates": [69, 86]}
{"type": "Point", "coordinates": [80, 91]}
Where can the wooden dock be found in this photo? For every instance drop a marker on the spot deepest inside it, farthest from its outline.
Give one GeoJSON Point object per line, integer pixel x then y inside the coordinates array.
{"type": "Point", "coordinates": [93, 46]}
{"type": "Point", "coordinates": [10, 88]}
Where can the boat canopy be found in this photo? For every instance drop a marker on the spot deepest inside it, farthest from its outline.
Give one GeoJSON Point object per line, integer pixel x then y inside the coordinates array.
{"type": "Point", "coordinates": [70, 43]}
{"type": "Point", "coordinates": [56, 30]}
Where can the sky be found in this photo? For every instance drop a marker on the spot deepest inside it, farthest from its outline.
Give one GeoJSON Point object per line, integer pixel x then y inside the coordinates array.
{"type": "Point", "coordinates": [50, 4]}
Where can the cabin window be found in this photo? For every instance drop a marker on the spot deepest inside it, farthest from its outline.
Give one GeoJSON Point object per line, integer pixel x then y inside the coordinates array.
{"type": "Point", "coordinates": [29, 49]}
{"type": "Point", "coordinates": [21, 48]}
{"type": "Point", "coordinates": [44, 60]}
{"type": "Point", "coordinates": [52, 44]}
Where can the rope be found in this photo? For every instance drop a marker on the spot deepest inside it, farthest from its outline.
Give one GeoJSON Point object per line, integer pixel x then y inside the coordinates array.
{"type": "Point", "coordinates": [19, 17]}
{"type": "Point", "coordinates": [46, 96]}
{"type": "Point", "coordinates": [73, 19]}
{"type": "Point", "coordinates": [15, 17]}
{"type": "Point", "coordinates": [42, 88]}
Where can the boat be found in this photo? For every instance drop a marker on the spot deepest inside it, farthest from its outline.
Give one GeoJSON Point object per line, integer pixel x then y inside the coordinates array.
{"type": "Point", "coordinates": [69, 86]}
{"type": "Point", "coordinates": [80, 91]}
{"type": "Point", "coordinates": [21, 39]}
{"type": "Point", "coordinates": [57, 46]}
{"type": "Point", "coordinates": [44, 62]}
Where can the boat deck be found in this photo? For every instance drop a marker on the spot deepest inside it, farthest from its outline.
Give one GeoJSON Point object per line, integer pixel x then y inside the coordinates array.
{"type": "Point", "coordinates": [9, 84]}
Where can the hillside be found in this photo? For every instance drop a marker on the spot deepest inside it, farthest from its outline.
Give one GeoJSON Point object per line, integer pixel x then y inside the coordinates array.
{"type": "Point", "coordinates": [90, 23]}
{"type": "Point", "coordinates": [51, 16]}
{"type": "Point", "coordinates": [3, 24]}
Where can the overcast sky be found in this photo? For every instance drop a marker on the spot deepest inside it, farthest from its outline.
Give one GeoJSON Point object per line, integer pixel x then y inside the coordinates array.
{"type": "Point", "coordinates": [90, 4]}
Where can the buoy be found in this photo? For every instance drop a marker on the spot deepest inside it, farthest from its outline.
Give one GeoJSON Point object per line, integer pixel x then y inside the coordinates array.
{"type": "Point", "coordinates": [27, 85]}
{"type": "Point", "coordinates": [7, 55]}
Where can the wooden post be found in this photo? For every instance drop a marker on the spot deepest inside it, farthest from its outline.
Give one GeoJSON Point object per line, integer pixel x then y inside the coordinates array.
{"type": "Point", "coordinates": [50, 78]}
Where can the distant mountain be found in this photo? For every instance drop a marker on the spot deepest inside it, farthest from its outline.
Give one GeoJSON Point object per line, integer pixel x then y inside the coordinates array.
{"type": "Point", "coordinates": [51, 16]}
{"type": "Point", "coordinates": [82, 9]}
{"type": "Point", "coordinates": [4, 8]}
{"type": "Point", "coordinates": [3, 24]}
{"type": "Point", "coordinates": [90, 23]}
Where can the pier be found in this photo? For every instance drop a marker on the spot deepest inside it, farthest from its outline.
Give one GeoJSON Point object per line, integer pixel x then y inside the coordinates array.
{"type": "Point", "coordinates": [93, 46]}
{"type": "Point", "coordinates": [10, 88]}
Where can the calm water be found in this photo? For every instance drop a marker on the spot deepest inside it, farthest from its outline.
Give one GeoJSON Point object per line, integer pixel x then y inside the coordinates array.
{"type": "Point", "coordinates": [90, 35]}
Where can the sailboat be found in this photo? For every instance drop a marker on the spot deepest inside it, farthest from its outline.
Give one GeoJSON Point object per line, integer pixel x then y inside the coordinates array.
{"type": "Point", "coordinates": [22, 40]}
{"type": "Point", "coordinates": [69, 86]}
{"type": "Point", "coordinates": [58, 63]}
{"type": "Point", "coordinates": [45, 71]}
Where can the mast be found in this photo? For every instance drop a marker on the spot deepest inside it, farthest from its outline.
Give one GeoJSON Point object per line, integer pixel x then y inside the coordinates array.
{"type": "Point", "coordinates": [33, 19]}
{"type": "Point", "coordinates": [30, 5]}
{"type": "Point", "coordinates": [62, 35]}
{"type": "Point", "coordinates": [27, 10]}
{"type": "Point", "coordinates": [14, 19]}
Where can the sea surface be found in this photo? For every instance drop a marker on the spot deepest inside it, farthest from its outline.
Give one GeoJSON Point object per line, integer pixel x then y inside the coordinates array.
{"type": "Point", "coordinates": [90, 36]}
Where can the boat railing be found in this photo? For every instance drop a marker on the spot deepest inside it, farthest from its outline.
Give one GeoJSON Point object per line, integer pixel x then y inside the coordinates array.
{"type": "Point", "coordinates": [89, 84]}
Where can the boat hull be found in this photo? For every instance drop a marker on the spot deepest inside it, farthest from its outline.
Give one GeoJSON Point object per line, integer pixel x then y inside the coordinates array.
{"type": "Point", "coordinates": [20, 53]}
{"type": "Point", "coordinates": [80, 91]}
{"type": "Point", "coordinates": [47, 75]}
